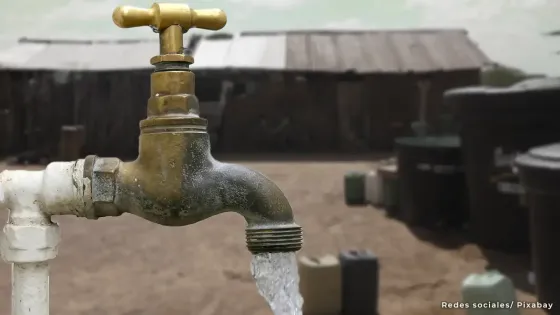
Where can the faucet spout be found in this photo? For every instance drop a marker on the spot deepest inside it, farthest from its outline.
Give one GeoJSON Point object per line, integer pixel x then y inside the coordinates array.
{"type": "Point", "coordinates": [252, 195]}
{"type": "Point", "coordinates": [269, 216]}
{"type": "Point", "coordinates": [175, 181]}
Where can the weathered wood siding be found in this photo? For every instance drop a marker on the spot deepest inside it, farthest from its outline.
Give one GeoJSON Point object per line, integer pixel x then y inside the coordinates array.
{"type": "Point", "coordinates": [282, 116]}
{"type": "Point", "coordinates": [108, 104]}
{"type": "Point", "coordinates": [333, 113]}
{"type": "Point", "coordinates": [325, 113]}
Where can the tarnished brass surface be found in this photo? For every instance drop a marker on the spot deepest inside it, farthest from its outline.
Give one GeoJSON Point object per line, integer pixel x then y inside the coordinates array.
{"type": "Point", "coordinates": [175, 180]}
{"type": "Point", "coordinates": [171, 82]}
{"type": "Point", "coordinates": [163, 15]}
{"type": "Point", "coordinates": [172, 87]}
{"type": "Point", "coordinates": [171, 40]}
{"type": "Point", "coordinates": [171, 58]}
{"type": "Point", "coordinates": [171, 105]}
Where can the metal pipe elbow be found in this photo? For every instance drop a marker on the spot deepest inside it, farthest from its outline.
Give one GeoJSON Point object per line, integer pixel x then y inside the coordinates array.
{"type": "Point", "coordinates": [269, 216]}
{"type": "Point", "coordinates": [250, 194]}
{"type": "Point", "coordinates": [181, 195]}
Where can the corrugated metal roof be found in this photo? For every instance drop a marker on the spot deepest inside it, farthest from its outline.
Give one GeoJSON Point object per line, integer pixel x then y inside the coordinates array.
{"type": "Point", "coordinates": [343, 51]}
{"type": "Point", "coordinates": [322, 51]}
{"type": "Point", "coordinates": [79, 55]}
{"type": "Point", "coordinates": [242, 52]}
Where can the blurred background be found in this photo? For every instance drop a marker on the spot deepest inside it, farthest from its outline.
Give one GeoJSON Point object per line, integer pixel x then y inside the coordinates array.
{"type": "Point", "coordinates": [336, 80]}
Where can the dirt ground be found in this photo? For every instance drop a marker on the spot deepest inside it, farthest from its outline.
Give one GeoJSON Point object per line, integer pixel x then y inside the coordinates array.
{"type": "Point", "coordinates": [128, 266]}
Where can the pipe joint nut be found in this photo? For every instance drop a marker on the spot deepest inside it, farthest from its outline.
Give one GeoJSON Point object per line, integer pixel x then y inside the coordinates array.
{"type": "Point", "coordinates": [29, 243]}
{"type": "Point", "coordinates": [103, 187]}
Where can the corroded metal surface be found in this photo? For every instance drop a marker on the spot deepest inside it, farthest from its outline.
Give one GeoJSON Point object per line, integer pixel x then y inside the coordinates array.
{"type": "Point", "coordinates": [175, 181]}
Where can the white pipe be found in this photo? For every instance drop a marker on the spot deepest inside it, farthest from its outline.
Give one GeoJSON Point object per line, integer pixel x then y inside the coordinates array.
{"type": "Point", "coordinates": [30, 239]}
{"type": "Point", "coordinates": [30, 288]}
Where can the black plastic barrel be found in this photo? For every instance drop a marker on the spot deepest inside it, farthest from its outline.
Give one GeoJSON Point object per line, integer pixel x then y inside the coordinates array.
{"type": "Point", "coordinates": [360, 282]}
{"type": "Point", "coordinates": [539, 171]}
{"type": "Point", "coordinates": [495, 125]}
{"type": "Point", "coordinates": [354, 188]}
{"type": "Point", "coordinates": [432, 190]}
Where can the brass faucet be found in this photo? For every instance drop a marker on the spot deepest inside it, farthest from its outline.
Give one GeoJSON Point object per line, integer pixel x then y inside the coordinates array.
{"type": "Point", "coordinates": [175, 181]}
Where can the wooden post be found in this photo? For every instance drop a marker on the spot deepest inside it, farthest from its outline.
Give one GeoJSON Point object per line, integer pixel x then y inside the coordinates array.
{"type": "Point", "coordinates": [72, 139]}
{"type": "Point", "coordinates": [424, 88]}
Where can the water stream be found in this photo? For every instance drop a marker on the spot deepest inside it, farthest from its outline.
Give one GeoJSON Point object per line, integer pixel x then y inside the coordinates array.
{"type": "Point", "coordinates": [277, 278]}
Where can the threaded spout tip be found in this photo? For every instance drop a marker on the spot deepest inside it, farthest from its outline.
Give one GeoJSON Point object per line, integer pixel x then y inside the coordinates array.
{"type": "Point", "coordinates": [273, 239]}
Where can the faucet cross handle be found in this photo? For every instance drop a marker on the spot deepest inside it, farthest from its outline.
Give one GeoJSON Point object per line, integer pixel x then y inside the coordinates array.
{"type": "Point", "coordinates": [163, 15]}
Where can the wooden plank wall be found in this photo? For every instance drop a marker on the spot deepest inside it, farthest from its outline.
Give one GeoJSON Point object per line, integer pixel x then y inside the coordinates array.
{"type": "Point", "coordinates": [330, 114]}
{"type": "Point", "coordinates": [282, 117]}
{"type": "Point", "coordinates": [109, 104]}
{"type": "Point", "coordinates": [321, 114]}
